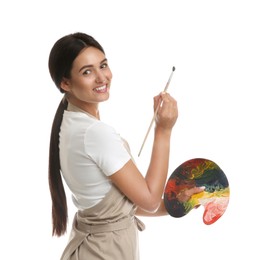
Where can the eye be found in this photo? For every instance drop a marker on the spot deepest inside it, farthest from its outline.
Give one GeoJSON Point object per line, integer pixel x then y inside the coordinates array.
{"type": "Point", "coordinates": [104, 65]}
{"type": "Point", "coordinates": [86, 72]}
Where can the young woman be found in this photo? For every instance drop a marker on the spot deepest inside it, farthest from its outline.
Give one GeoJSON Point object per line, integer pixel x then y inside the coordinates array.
{"type": "Point", "coordinates": [95, 162]}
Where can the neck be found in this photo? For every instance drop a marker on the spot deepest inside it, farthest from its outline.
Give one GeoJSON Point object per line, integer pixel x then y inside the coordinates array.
{"type": "Point", "coordinates": [91, 109]}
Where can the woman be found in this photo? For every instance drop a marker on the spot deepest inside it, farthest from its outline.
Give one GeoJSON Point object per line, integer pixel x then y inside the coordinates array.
{"type": "Point", "coordinates": [106, 185]}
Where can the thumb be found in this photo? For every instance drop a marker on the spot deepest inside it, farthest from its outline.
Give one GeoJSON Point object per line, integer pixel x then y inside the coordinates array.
{"type": "Point", "coordinates": [158, 99]}
{"type": "Point", "coordinates": [196, 190]}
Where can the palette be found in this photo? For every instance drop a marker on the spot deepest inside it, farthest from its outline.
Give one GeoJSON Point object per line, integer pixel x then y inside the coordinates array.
{"type": "Point", "coordinates": [198, 172]}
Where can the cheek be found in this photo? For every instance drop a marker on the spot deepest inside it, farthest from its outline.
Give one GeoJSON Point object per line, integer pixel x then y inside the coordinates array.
{"type": "Point", "coordinates": [83, 84]}
{"type": "Point", "coordinates": [82, 88]}
{"type": "Point", "coordinates": [109, 74]}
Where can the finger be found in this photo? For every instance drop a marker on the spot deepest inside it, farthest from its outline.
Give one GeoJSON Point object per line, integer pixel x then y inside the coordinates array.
{"type": "Point", "coordinates": [197, 189]}
{"type": "Point", "coordinates": [158, 100]}
{"type": "Point", "coordinates": [194, 190]}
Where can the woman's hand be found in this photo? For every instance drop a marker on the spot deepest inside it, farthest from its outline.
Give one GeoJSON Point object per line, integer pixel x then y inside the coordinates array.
{"type": "Point", "coordinates": [167, 112]}
{"type": "Point", "coordinates": [185, 195]}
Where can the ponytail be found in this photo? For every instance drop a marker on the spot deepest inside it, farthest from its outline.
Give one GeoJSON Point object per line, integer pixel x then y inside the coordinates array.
{"type": "Point", "coordinates": [61, 58]}
{"type": "Point", "coordinates": [58, 196]}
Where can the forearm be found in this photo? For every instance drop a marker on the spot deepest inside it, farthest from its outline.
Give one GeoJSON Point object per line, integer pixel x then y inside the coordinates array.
{"type": "Point", "coordinates": [158, 168]}
{"type": "Point", "coordinates": [146, 191]}
{"type": "Point", "coordinates": [161, 211]}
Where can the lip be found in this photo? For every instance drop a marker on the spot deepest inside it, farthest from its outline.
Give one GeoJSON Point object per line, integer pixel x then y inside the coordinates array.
{"type": "Point", "coordinates": [101, 89]}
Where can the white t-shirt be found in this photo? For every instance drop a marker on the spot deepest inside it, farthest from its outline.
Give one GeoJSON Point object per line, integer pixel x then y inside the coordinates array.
{"type": "Point", "coordinates": [90, 151]}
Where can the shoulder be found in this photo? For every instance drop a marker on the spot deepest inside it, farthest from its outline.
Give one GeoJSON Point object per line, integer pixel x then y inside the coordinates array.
{"type": "Point", "coordinates": [102, 133]}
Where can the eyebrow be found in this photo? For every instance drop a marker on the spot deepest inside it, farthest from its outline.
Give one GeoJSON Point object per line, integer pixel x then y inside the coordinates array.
{"type": "Point", "coordinates": [91, 66]}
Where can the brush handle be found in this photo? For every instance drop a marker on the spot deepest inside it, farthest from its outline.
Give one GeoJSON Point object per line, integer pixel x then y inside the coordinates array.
{"type": "Point", "coordinates": [153, 119]}
{"type": "Point", "coordinates": [155, 112]}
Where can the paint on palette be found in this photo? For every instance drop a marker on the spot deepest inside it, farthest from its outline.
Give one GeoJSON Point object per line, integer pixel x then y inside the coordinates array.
{"type": "Point", "coordinates": [198, 172]}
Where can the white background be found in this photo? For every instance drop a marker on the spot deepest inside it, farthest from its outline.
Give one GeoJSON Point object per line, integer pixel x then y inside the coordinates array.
{"type": "Point", "coordinates": [215, 47]}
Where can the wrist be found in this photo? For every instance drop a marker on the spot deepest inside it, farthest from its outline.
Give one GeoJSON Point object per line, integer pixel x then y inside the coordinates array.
{"type": "Point", "coordinates": [160, 131]}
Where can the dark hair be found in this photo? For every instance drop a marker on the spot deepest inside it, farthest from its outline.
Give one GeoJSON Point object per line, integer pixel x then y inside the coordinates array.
{"type": "Point", "coordinates": [61, 58]}
{"type": "Point", "coordinates": [64, 52]}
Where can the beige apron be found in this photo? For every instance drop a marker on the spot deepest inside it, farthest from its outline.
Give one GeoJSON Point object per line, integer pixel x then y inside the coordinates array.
{"type": "Point", "coordinates": [108, 231]}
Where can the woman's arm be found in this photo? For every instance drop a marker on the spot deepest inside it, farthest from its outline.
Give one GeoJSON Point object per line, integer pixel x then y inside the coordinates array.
{"type": "Point", "coordinates": [146, 192]}
{"type": "Point", "coordinates": [161, 211]}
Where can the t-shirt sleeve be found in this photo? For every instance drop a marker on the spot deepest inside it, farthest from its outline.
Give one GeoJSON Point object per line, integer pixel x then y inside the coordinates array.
{"type": "Point", "coordinates": [106, 148]}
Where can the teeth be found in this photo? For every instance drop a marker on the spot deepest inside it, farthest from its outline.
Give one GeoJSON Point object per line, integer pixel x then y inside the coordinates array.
{"type": "Point", "coordinates": [101, 88]}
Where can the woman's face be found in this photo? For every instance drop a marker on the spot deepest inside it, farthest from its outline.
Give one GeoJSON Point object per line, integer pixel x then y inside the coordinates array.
{"type": "Point", "coordinates": [90, 78]}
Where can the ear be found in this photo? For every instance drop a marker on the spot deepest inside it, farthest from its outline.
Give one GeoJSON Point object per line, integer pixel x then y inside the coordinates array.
{"type": "Point", "coordinates": [65, 84]}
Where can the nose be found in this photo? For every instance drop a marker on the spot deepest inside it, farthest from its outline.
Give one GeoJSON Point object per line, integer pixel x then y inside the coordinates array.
{"type": "Point", "coordinates": [100, 77]}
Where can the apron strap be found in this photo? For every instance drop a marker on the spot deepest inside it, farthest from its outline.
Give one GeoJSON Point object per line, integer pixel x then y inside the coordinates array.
{"type": "Point", "coordinates": [107, 227]}
{"type": "Point", "coordinates": [140, 225]}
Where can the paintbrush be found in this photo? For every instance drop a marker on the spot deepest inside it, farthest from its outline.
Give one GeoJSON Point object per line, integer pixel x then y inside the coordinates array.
{"type": "Point", "coordinates": [156, 110]}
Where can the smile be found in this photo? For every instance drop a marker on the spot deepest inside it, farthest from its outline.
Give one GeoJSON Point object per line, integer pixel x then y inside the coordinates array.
{"type": "Point", "coordinates": [101, 89]}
